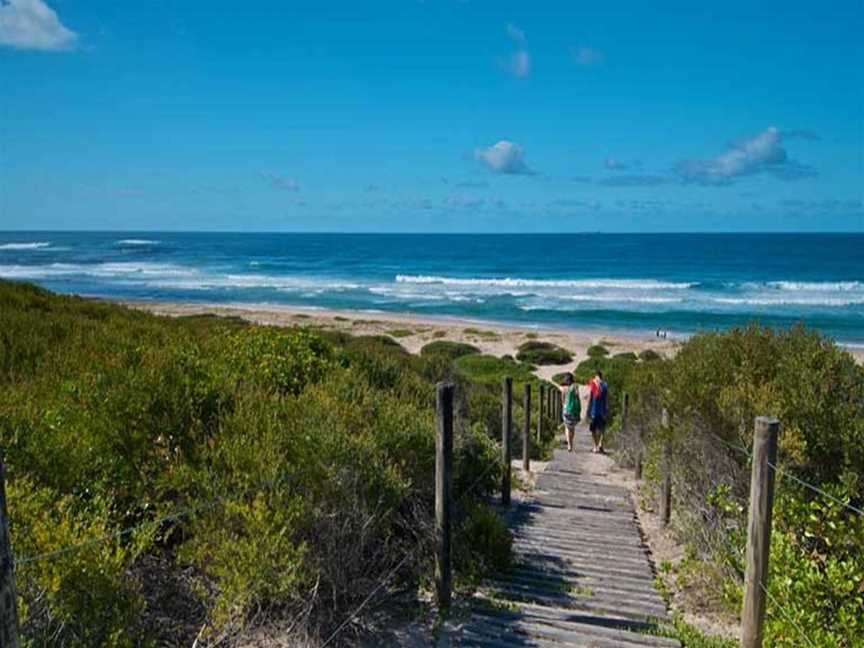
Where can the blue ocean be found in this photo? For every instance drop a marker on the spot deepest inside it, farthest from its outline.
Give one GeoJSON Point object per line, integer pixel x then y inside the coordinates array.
{"type": "Point", "coordinates": [680, 283]}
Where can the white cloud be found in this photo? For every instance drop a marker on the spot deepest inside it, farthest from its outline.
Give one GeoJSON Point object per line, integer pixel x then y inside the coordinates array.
{"type": "Point", "coordinates": [285, 183]}
{"type": "Point", "coordinates": [32, 24]}
{"type": "Point", "coordinates": [519, 62]}
{"type": "Point", "coordinates": [515, 33]}
{"type": "Point", "coordinates": [762, 153]}
{"type": "Point", "coordinates": [503, 157]}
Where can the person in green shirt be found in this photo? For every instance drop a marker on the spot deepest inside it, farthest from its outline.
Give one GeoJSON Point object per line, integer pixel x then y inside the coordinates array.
{"type": "Point", "coordinates": [572, 410]}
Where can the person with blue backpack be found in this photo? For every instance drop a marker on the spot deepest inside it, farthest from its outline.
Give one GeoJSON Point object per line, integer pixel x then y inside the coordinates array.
{"type": "Point", "coordinates": [598, 410]}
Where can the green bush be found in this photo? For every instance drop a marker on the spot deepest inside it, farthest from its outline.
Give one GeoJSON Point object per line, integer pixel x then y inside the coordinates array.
{"type": "Point", "coordinates": [451, 350]}
{"type": "Point", "coordinates": [290, 469]}
{"type": "Point", "coordinates": [597, 351]}
{"type": "Point", "coordinates": [627, 355]}
{"type": "Point", "coordinates": [649, 355]}
{"type": "Point", "coordinates": [714, 388]}
{"type": "Point", "coordinates": [400, 333]}
{"type": "Point", "coordinates": [482, 543]}
{"type": "Point", "coordinates": [543, 353]}
{"type": "Point", "coordinates": [492, 370]}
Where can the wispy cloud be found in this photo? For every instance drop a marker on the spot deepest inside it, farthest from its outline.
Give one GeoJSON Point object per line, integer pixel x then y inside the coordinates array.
{"type": "Point", "coordinates": [614, 164]}
{"type": "Point", "coordinates": [801, 133]}
{"type": "Point", "coordinates": [282, 182]}
{"type": "Point", "coordinates": [587, 56]}
{"type": "Point", "coordinates": [760, 154]}
{"type": "Point", "coordinates": [503, 157]}
{"type": "Point", "coordinates": [519, 62]}
{"type": "Point", "coordinates": [472, 184]}
{"type": "Point", "coordinates": [634, 180]}
{"type": "Point", "coordinates": [33, 25]}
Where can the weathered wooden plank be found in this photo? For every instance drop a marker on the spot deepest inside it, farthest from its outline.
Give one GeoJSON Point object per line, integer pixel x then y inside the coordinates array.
{"type": "Point", "coordinates": [582, 577]}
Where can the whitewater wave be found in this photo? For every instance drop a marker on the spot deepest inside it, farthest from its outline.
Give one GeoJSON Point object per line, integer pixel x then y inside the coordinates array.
{"type": "Point", "coordinates": [817, 286]}
{"type": "Point", "coordinates": [621, 298]}
{"type": "Point", "coordinates": [517, 282]}
{"type": "Point", "coordinates": [789, 301]}
{"type": "Point", "coordinates": [36, 245]}
{"type": "Point", "coordinates": [134, 242]}
{"type": "Point", "coordinates": [100, 270]}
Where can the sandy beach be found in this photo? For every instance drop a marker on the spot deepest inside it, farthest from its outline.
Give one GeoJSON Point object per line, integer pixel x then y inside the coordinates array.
{"type": "Point", "coordinates": [413, 332]}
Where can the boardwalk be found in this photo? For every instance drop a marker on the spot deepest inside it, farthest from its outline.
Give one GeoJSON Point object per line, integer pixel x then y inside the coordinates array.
{"type": "Point", "coordinates": [582, 576]}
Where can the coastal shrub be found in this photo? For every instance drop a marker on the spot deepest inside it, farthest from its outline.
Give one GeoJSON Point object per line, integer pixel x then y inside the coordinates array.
{"type": "Point", "coordinates": [482, 543]}
{"type": "Point", "coordinates": [597, 351]}
{"type": "Point", "coordinates": [543, 353]}
{"type": "Point", "coordinates": [714, 388]}
{"type": "Point", "coordinates": [291, 469]}
{"type": "Point", "coordinates": [627, 355]}
{"type": "Point", "coordinates": [279, 360]}
{"type": "Point", "coordinates": [400, 333]}
{"type": "Point", "coordinates": [649, 355]}
{"type": "Point", "coordinates": [490, 369]}
{"type": "Point", "coordinates": [490, 335]}
{"type": "Point", "coordinates": [82, 597]}
{"type": "Point", "coordinates": [451, 350]}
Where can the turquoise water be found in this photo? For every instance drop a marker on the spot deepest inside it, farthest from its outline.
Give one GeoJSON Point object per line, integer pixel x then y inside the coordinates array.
{"type": "Point", "coordinates": [633, 282]}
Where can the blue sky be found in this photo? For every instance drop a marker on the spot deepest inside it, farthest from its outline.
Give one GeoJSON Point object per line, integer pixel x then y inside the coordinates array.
{"type": "Point", "coordinates": [443, 115]}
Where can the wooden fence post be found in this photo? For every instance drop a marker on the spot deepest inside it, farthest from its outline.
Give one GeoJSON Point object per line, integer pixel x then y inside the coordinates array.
{"type": "Point", "coordinates": [443, 488]}
{"type": "Point", "coordinates": [759, 530]}
{"type": "Point", "coordinates": [8, 606]}
{"type": "Point", "coordinates": [666, 485]}
{"type": "Point", "coordinates": [526, 430]}
{"type": "Point", "coordinates": [506, 428]}
{"type": "Point", "coordinates": [540, 396]}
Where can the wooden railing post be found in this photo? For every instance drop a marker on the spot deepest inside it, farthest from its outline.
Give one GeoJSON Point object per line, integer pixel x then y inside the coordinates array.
{"type": "Point", "coordinates": [666, 484]}
{"type": "Point", "coordinates": [8, 605]}
{"type": "Point", "coordinates": [506, 428]}
{"type": "Point", "coordinates": [540, 396]}
{"type": "Point", "coordinates": [443, 488]}
{"type": "Point", "coordinates": [625, 414]}
{"type": "Point", "coordinates": [526, 430]}
{"type": "Point", "coordinates": [759, 530]}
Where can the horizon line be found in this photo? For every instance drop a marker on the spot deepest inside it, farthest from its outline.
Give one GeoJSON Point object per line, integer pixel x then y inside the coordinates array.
{"type": "Point", "coordinates": [435, 233]}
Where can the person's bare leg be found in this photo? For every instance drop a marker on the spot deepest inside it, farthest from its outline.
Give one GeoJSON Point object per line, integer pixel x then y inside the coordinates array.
{"type": "Point", "coordinates": [568, 434]}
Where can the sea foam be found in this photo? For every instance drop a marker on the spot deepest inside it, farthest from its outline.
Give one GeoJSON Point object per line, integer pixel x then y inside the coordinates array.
{"type": "Point", "coordinates": [517, 282]}
{"type": "Point", "coordinates": [37, 245]}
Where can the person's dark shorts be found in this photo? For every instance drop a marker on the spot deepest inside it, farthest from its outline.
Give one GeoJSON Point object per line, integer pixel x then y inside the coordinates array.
{"type": "Point", "coordinates": [597, 424]}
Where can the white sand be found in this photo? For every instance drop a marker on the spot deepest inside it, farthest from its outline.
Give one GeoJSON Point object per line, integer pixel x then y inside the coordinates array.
{"type": "Point", "coordinates": [491, 338]}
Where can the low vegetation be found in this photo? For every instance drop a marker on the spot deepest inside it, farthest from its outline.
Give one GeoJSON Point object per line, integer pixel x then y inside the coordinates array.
{"type": "Point", "coordinates": [479, 333]}
{"type": "Point", "coordinates": [597, 351]}
{"type": "Point", "coordinates": [174, 478]}
{"type": "Point", "coordinates": [713, 389]}
{"type": "Point", "coordinates": [649, 355]}
{"type": "Point", "coordinates": [400, 333]}
{"type": "Point", "coordinates": [543, 353]}
{"type": "Point", "coordinates": [447, 349]}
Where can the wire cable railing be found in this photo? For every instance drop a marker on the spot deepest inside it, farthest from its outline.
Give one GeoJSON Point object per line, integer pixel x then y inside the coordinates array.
{"type": "Point", "coordinates": [785, 473]}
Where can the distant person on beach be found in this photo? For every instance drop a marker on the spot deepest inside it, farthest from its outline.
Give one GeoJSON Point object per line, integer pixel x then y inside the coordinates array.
{"type": "Point", "coordinates": [572, 410]}
{"type": "Point", "coordinates": [598, 409]}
